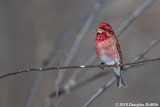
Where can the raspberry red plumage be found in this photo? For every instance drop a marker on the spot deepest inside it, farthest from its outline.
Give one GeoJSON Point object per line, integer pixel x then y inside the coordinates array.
{"type": "Point", "coordinates": [108, 49]}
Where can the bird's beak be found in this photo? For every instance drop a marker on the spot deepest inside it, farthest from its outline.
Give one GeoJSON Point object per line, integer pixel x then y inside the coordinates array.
{"type": "Point", "coordinates": [100, 30]}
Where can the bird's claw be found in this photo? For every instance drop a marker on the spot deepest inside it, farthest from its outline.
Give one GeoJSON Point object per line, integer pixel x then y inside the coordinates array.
{"type": "Point", "coordinates": [102, 65]}
{"type": "Point", "coordinates": [116, 65]}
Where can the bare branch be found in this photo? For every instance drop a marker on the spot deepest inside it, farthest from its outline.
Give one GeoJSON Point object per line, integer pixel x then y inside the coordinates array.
{"type": "Point", "coordinates": [133, 16]}
{"type": "Point", "coordinates": [99, 92]}
{"type": "Point", "coordinates": [152, 44]}
{"type": "Point", "coordinates": [47, 61]}
{"type": "Point", "coordinates": [78, 67]}
{"type": "Point", "coordinates": [58, 82]}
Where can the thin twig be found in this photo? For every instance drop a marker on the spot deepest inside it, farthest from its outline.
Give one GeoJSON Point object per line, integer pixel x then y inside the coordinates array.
{"type": "Point", "coordinates": [77, 74]}
{"type": "Point", "coordinates": [58, 81]}
{"type": "Point", "coordinates": [79, 67]}
{"type": "Point", "coordinates": [99, 92]}
{"type": "Point", "coordinates": [133, 16]}
{"type": "Point", "coordinates": [152, 44]}
{"type": "Point", "coordinates": [47, 61]}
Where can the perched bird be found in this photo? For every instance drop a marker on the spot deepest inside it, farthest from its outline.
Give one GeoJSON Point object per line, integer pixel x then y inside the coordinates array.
{"type": "Point", "coordinates": [108, 50]}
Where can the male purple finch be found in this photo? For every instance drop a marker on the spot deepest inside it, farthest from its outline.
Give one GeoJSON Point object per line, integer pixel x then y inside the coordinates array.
{"type": "Point", "coordinates": [108, 50]}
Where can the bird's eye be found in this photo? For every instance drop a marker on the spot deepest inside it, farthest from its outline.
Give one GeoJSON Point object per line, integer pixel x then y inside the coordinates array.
{"type": "Point", "coordinates": [105, 29]}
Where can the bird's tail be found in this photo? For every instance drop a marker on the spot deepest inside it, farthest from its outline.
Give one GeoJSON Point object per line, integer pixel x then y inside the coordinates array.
{"type": "Point", "coordinates": [120, 81]}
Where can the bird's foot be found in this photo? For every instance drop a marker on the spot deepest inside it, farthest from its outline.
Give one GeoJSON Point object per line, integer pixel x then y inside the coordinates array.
{"type": "Point", "coordinates": [102, 65]}
{"type": "Point", "coordinates": [116, 65]}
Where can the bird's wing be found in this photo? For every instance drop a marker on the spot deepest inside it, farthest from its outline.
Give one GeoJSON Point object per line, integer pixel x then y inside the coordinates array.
{"type": "Point", "coordinates": [119, 50]}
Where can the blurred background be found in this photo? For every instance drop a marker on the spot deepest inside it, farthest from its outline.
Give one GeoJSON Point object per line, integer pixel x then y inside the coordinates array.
{"type": "Point", "coordinates": [30, 30]}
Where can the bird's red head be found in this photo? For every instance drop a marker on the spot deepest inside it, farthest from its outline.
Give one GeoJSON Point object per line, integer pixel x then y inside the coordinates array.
{"type": "Point", "coordinates": [104, 31]}
{"type": "Point", "coordinates": [105, 26]}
